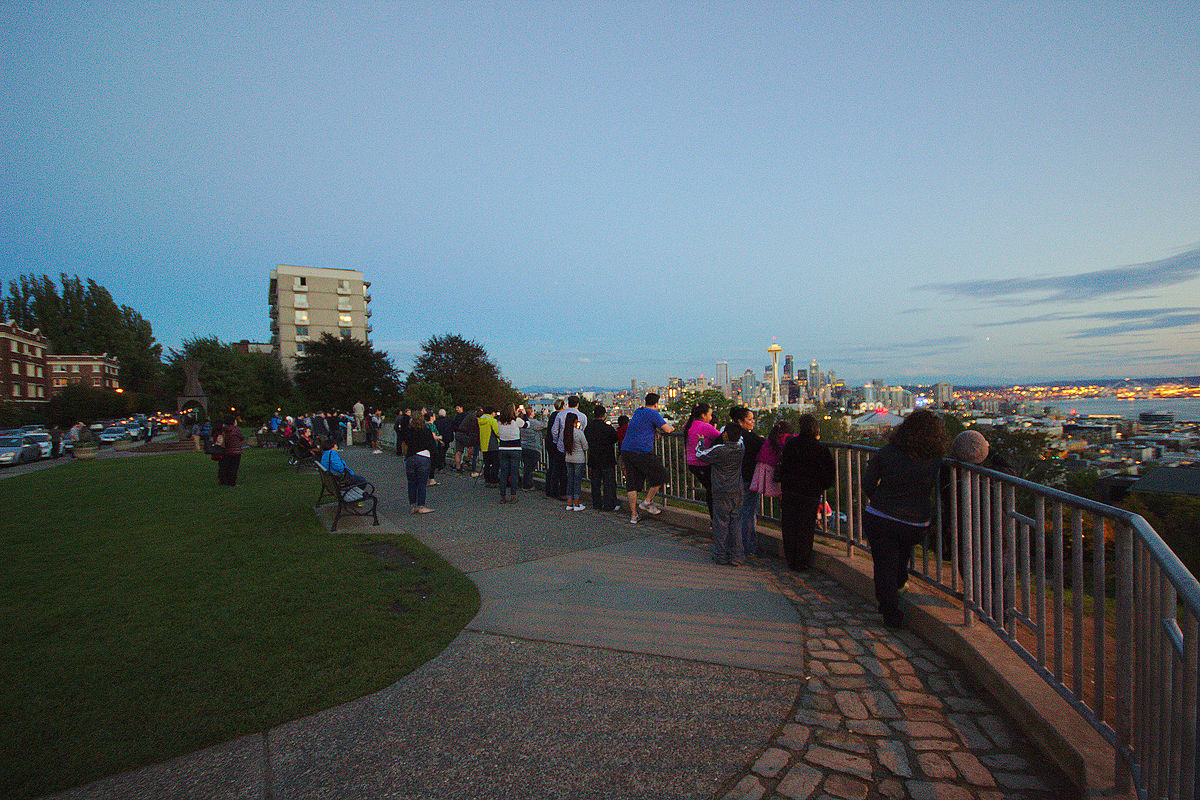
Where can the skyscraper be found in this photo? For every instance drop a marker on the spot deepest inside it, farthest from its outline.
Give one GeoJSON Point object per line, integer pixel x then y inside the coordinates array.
{"type": "Point", "coordinates": [723, 376]}
{"type": "Point", "coordinates": [788, 368]}
{"type": "Point", "coordinates": [306, 302]}
{"type": "Point", "coordinates": [814, 379]}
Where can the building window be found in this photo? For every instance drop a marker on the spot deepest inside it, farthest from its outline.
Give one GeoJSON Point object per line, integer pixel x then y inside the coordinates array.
{"type": "Point", "coordinates": [59, 368]}
{"type": "Point", "coordinates": [299, 284]}
{"type": "Point", "coordinates": [16, 390]}
{"type": "Point", "coordinates": [300, 348]}
{"type": "Point", "coordinates": [39, 372]}
{"type": "Point", "coordinates": [344, 321]}
{"type": "Point", "coordinates": [74, 368]}
{"type": "Point", "coordinates": [343, 287]}
{"type": "Point", "coordinates": [301, 317]}
{"type": "Point", "coordinates": [343, 304]}
{"type": "Point", "coordinates": [301, 301]}
{"type": "Point", "coordinates": [60, 381]}
{"type": "Point", "coordinates": [345, 333]}
{"type": "Point", "coordinates": [16, 368]}
{"type": "Point", "coordinates": [29, 371]}
{"type": "Point", "coordinates": [302, 330]}
{"type": "Point", "coordinates": [41, 391]}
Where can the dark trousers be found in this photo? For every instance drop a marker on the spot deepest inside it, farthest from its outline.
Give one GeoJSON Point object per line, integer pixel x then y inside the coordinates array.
{"type": "Point", "coordinates": [892, 544]}
{"type": "Point", "coordinates": [491, 466]}
{"type": "Point", "coordinates": [556, 474]}
{"type": "Point", "coordinates": [704, 478]}
{"type": "Point", "coordinates": [227, 469]}
{"type": "Point", "coordinates": [604, 486]}
{"type": "Point", "coordinates": [797, 523]}
{"type": "Point", "coordinates": [529, 459]}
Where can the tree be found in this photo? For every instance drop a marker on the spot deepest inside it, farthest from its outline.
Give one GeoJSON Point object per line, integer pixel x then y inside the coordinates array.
{"type": "Point", "coordinates": [78, 402]}
{"type": "Point", "coordinates": [681, 407]}
{"type": "Point", "coordinates": [335, 373]}
{"type": "Point", "coordinates": [422, 394]}
{"type": "Point", "coordinates": [462, 367]}
{"type": "Point", "coordinates": [1025, 451]}
{"type": "Point", "coordinates": [85, 319]}
{"type": "Point", "coordinates": [253, 383]}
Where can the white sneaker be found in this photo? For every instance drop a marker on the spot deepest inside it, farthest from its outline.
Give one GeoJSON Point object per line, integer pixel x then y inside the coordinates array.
{"type": "Point", "coordinates": [649, 508]}
{"type": "Point", "coordinates": [376, 452]}
{"type": "Point", "coordinates": [634, 519]}
{"type": "Point", "coordinates": [578, 508]}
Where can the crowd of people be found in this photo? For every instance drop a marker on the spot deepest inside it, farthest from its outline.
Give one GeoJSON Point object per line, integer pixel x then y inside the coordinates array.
{"type": "Point", "coordinates": [734, 464]}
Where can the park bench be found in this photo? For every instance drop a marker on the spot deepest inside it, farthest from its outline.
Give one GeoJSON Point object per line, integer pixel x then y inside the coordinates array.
{"type": "Point", "coordinates": [360, 501]}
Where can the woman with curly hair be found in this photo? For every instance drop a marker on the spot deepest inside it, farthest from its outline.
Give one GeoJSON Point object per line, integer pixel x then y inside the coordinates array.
{"type": "Point", "coordinates": [899, 481]}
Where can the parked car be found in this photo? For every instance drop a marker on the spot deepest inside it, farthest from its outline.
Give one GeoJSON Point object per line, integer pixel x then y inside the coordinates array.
{"type": "Point", "coordinates": [113, 434]}
{"type": "Point", "coordinates": [43, 441]}
{"type": "Point", "coordinates": [18, 450]}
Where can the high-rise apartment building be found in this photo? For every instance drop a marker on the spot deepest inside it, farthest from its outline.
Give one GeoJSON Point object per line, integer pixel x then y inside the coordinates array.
{"type": "Point", "coordinates": [306, 302]}
{"type": "Point", "coordinates": [943, 393]}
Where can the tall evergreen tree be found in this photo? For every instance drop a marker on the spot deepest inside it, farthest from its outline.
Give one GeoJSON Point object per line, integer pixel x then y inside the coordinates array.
{"type": "Point", "coordinates": [84, 318]}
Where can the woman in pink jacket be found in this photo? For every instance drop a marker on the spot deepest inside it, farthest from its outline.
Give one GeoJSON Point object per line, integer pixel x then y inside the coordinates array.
{"type": "Point", "coordinates": [699, 431]}
{"type": "Point", "coordinates": [763, 480]}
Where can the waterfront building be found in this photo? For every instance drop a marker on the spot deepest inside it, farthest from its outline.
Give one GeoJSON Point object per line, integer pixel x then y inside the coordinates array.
{"type": "Point", "coordinates": [99, 372]}
{"type": "Point", "coordinates": [306, 302]}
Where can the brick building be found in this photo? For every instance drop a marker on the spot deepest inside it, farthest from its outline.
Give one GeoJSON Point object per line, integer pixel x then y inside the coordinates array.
{"type": "Point", "coordinates": [23, 365]}
{"type": "Point", "coordinates": [99, 371]}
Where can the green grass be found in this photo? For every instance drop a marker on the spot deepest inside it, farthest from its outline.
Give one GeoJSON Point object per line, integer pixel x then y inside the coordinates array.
{"type": "Point", "coordinates": [148, 613]}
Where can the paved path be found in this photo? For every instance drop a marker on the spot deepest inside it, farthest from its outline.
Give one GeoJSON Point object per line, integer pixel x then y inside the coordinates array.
{"type": "Point", "coordinates": [611, 660]}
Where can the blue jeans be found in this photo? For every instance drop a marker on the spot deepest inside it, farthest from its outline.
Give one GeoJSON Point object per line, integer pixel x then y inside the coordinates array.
{"type": "Point", "coordinates": [749, 518]}
{"type": "Point", "coordinates": [417, 468]}
{"type": "Point", "coordinates": [574, 479]}
{"type": "Point", "coordinates": [510, 471]}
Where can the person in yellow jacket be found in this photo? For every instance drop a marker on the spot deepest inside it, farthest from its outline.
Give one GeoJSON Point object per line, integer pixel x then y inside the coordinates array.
{"type": "Point", "coordinates": [489, 439]}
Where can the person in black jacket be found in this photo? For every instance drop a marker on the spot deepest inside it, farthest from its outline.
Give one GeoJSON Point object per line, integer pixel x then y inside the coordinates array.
{"type": "Point", "coordinates": [417, 445]}
{"type": "Point", "coordinates": [556, 462]}
{"type": "Point", "coordinates": [602, 461]}
{"type": "Point", "coordinates": [899, 482]}
{"type": "Point", "coordinates": [805, 471]}
{"type": "Point", "coordinates": [752, 442]}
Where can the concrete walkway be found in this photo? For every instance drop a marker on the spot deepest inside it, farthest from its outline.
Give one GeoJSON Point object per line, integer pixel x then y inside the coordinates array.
{"type": "Point", "coordinates": [611, 660]}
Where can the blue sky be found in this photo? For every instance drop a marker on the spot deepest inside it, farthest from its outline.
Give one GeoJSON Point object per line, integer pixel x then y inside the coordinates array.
{"type": "Point", "coordinates": [597, 191]}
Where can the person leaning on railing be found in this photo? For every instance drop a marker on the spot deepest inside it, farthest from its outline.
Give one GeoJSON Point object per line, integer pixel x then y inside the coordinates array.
{"type": "Point", "coordinates": [899, 481]}
{"type": "Point", "coordinates": [805, 470]}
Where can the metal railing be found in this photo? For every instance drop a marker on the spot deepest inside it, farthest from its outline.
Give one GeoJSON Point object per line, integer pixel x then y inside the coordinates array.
{"type": "Point", "coordinates": [1089, 596]}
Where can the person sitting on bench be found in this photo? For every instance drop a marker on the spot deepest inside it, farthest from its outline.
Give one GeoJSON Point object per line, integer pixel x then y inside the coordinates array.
{"type": "Point", "coordinates": [332, 462]}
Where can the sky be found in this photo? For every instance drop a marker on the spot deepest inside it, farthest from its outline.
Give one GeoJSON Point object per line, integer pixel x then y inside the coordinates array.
{"type": "Point", "coordinates": [971, 192]}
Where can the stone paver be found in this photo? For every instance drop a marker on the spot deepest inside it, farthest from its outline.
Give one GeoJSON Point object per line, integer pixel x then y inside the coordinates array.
{"type": "Point", "coordinates": [911, 725]}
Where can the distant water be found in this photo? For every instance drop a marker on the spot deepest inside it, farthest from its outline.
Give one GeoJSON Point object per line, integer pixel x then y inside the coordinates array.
{"type": "Point", "coordinates": [1185, 409]}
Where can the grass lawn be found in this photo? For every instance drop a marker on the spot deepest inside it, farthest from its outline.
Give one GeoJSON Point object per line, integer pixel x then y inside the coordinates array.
{"type": "Point", "coordinates": [148, 612]}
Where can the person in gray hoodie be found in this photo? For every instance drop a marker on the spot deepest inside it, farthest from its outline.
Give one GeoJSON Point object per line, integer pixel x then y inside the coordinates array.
{"type": "Point", "coordinates": [725, 456]}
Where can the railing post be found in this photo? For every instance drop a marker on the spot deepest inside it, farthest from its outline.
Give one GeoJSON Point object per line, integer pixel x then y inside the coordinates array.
{"type": "Point", "coordinates": [1123, 701]}
{"type": "Point", "coordinates": [967, 555]}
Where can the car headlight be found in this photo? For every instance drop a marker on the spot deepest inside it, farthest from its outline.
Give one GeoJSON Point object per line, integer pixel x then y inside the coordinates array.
{"type": "Point", "coordinates": [7, 456]}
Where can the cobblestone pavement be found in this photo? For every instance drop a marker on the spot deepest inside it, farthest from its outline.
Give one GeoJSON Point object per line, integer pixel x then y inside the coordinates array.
{"type": "Point", "coordinates": [884, 715]}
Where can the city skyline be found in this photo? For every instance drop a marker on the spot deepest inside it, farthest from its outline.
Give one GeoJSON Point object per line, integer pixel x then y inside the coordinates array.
{"type": "Point", "coordinates": [973, 194]}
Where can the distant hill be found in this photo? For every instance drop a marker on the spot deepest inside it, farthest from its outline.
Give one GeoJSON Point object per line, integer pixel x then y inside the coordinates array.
{"type": "Point", "coordinates": [570, 390]}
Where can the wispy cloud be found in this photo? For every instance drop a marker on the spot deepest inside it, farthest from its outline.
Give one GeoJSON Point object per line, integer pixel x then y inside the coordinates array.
{"type": "Point", "coordinates": [1080, 287]}
{"type": "Point", "coordinates": [1120, 322]}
